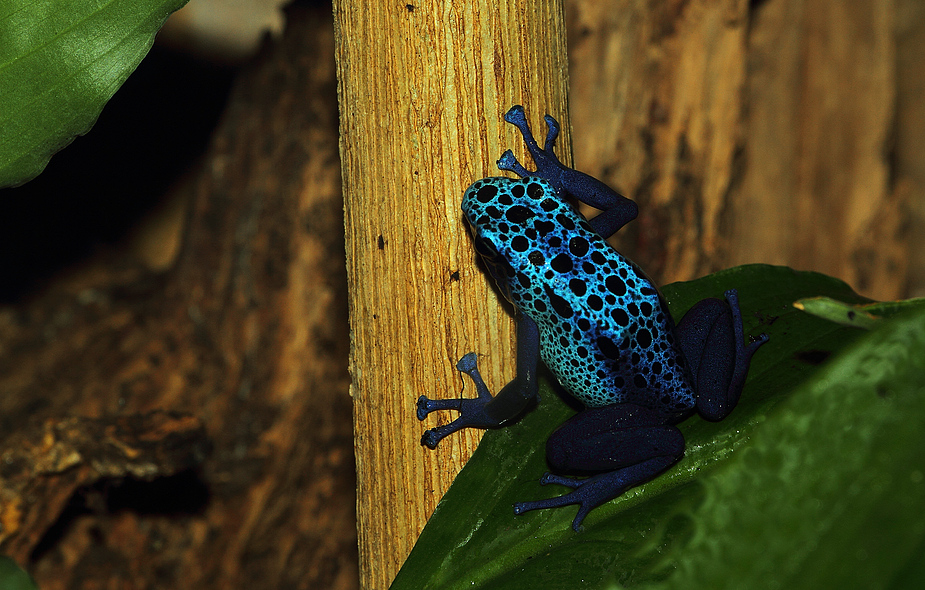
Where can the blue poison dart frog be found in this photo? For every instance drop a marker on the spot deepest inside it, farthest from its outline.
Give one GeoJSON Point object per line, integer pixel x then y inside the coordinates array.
{"type": "Point", "coordinates": [600, 325]}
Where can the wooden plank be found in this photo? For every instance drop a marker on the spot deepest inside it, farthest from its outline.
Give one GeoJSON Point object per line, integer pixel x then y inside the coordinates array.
{"type": "Point", "coordinates": [422, 88]}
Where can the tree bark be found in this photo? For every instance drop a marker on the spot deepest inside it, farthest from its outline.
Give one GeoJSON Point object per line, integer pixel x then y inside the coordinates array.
{"type": "Point", "coordinates": [423, 87]}
{"type": "Point", "coordinates": [908, 170]}
{"type": "Point", "coordinates": [816, 191]}
{"type": "Point", "coordinates": [756, 132]}
{"type": "Point", "coordinates": [657, 97]}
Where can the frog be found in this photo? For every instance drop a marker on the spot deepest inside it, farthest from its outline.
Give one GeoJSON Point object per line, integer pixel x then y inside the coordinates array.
{"type": "Point", "coordinates": [599, 324]}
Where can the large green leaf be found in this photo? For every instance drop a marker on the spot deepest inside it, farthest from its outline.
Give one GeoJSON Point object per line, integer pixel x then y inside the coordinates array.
{"type": "Point", "coordinates": [815, 480]}
{"type": "Point", "coordinates": [12, 577]}
{"type": "Point", "coordinates": [60, 62]}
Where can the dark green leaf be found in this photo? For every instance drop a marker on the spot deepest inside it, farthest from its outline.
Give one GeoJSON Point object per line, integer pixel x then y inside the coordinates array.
{"type": "Point", "coordinates": [816, 479]}
{"type": "Point", "coordinates": [60, 62]}
{"type": "Point", "coordinates": [12, 577]}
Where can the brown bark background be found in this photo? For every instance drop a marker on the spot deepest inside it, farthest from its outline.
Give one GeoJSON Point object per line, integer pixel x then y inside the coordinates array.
{"type": "Point", "coordinates": [176, 415]}
{"type": "Point", "coordinates": [249, 481]}
{"type": "Point", "coordinates": [784, 131]}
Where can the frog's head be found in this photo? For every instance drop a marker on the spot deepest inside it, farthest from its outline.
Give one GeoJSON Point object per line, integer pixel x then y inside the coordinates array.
{"type": "Point", "coordinates": [502, 214]}
{"type": "Point", "coordinates": [486, 206]}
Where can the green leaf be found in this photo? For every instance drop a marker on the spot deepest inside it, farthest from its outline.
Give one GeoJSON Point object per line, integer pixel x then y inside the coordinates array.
{"type": "Point", "coordinates": [60, 62]}
{"type": "Point", "coordinates": [836, 311]}
{"type": "Point", "coordinates": [12, 577]}
{"type": "Point", "coordinates": [815, 480]}
{"type": "Point", "coordinates": [863, 316]}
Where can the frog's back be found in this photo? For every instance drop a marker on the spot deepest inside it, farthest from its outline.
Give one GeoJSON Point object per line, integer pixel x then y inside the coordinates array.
{"type": "Point", "coordinates": [605, 331]}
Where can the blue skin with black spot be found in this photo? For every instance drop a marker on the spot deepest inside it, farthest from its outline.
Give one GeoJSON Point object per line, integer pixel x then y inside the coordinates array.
{"type": "Point", "coordinates": [599, 324]}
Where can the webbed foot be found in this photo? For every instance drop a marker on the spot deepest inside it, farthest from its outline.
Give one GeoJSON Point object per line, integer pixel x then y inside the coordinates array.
{"type": "Point", "coordinates": [547, 163]}
{"type": "Point", "coordinates": [471, 411]}
{"type": "Point", "coordinates": [616, 209]}
{"type": "Point", "coordinates": [592, 492]}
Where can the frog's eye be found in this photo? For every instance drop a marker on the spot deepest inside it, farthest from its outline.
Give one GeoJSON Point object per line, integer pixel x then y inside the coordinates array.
{"type": "Point", "coordinates": [518, 214]}
{"type": "Point", "coordinates": [485, 247]}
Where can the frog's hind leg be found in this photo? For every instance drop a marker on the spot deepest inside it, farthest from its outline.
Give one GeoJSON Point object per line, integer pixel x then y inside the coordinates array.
{"type": "Point", "coordinates": [630, 443]}
{"type": "Point", "coordinates": [713, 340]}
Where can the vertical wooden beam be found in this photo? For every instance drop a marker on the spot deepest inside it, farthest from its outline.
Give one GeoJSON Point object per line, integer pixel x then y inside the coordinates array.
{"type": "Point", "coordinates": [423, 86]}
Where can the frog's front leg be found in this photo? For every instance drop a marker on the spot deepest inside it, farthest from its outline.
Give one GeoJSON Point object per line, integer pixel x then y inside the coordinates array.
{"type": "Point", "coordinates": [486, 411]}
{"type": "Point", "coordinates": [616, 209]}
{"type": "Point", "coordinates": [630, 444]}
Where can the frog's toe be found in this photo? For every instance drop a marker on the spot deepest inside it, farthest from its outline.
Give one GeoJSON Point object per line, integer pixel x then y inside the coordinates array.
{"type": "Point", "coordinates": [509, 162]}
{"type": "Point", "coordinates": [552, 132]}
{"type": "Point", "coordinates": [468, 363]}
{"type": "Point", "coordinates": [516, 115]}
{"type": "Point", "coordinates": [583, 511]}
{"type": "Point", "coordinates": [557, 502]}
{"type": "Point", "coordinates": [429, 439]}
{"type": "Point", "coordinates": [569, 482]}
{"type": "Point", "coordinates": [423, 407]}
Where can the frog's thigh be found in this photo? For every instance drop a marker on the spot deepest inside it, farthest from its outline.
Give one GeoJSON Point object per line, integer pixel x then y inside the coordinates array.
{"type": "Point", "coordinates": [612, 437]}
{"type": "Point", "coordinates": [707, 329]}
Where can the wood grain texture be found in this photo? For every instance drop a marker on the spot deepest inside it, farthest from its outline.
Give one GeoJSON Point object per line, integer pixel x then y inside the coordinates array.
{"type": "Point", "coordinates": [909, 149]}
{"type": "Point", "coordinates": [815, 192]}
{"type": "Point", "coordinates": [422, 90]}
{"type": "Point", "coordinates": [775, 131]}
{"type": "Point", "coordinates": [657, 100]}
